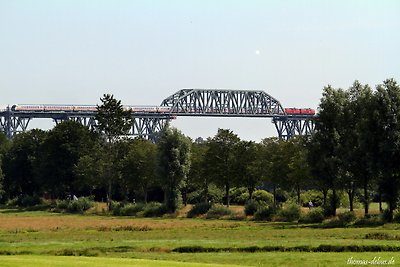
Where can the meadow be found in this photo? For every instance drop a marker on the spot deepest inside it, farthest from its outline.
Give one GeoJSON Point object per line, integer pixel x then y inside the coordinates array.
{"type": "Point", "coordinates": [41, 238]}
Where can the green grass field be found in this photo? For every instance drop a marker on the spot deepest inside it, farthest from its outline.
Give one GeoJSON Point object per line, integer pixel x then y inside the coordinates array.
{"type": "Point", "coordinates": [51, 239]}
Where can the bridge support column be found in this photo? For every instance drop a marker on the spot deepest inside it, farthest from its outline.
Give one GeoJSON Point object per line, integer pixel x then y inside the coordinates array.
{"type": "Point", "coordinates": [287, 127]}
{"type": "Point", "coordinates": [148, 127]}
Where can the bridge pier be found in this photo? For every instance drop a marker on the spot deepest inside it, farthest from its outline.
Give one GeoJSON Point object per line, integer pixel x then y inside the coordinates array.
{"type": "Point", "coordinates": [289, 126]}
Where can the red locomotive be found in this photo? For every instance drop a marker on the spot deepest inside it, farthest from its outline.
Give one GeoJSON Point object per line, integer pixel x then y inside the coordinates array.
{"type": "Point", "coordinates": [300, 111]}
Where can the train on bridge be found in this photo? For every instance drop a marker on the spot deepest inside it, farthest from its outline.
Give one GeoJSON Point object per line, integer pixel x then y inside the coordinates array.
{"type": "Point", "coordinates": [83, 108]}
{"type": "Point", "coordinates": [300, 111]}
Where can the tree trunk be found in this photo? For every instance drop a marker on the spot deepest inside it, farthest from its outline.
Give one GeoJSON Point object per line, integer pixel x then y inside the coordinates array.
{"type": "Point", "coordinates": [227, 194]}
{"type": "Point", "coordinates": [350, 192]}
{"type": "Point", "coordinates": [333, 202]}
{"type": "Point", "coordinates": [325, 194]}
{"type": "Point", "coordinates": [274, 193]}
{"type": "Point", "coordinates": [298, 194]}
{"type": "Point", "coordinates": [184, 196]}
{"type": "Point", "coordinates": [205, 191]}
{"type": "Point", "coordinates": [366, 198]}
{"type": "Point", "coordinates": [380, 201]}
{"type": "Point", "coordinates": [145, 195]}
{"type": "Point", "coordinates": [109, 194]}
{"type": "Point", "coordinates": [251, 191]}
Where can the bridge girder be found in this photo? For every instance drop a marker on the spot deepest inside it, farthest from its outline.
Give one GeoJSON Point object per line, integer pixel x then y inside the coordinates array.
{"type": "Point", "coordinates": [144, 125]}
{"type": "Point", "coordinates": [223, 103]}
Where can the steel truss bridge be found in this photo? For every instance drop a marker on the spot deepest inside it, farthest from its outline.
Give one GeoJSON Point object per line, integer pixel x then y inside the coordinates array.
{"type": "Point", "coordinates": [148, 121]}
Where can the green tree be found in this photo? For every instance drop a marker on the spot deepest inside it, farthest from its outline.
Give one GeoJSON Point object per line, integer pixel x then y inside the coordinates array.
{"type": "Point", "coordinates": [4, 147]}
{"type": "Point", "coordinates": [60, 153]}
{"type": "Point", "coordinates": [114, 122]}
{"type": "Point", "coordinates": [328, 139]}
{"type": "Point", "coordinates": [388, 157]}
{"type": "Point", "coordinates": [138, 166]}
{"type": "Point", "coordinates": [91, 169]}
{"type": "Point", "coordinates": [275, 164]}
{"type": "Point", "coordinates": [20, 163]}
{"type": "Point", "coordinates": [173, 151]}
{"type": "Point", "coordinates": [198, 170]}
{"type": "Point", "coordinates": [112, 119]}
{"type": "Point", "coordinates": [298, 169]}
{"type": "Point", "coordinates": [247, 166]}
{"type": "Point", "coordinates": [358, 142]}
{"type": "Point", "coordinates": [220, 158]}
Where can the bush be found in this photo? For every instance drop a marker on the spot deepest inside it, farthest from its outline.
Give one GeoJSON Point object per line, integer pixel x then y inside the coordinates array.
{"type": "Point", "coordinates": [289, 213]}
{"type": "Point", "coordinates": [315, 196]}
{"type": "Point", "coordinates": [214, 195]}
{"type": "Point", "coordinates": [264, 213]}
{"type": "Point", "coordinates": [75, 206]}
{"type": "Point", "coordinates": [396, 217]}
{"type": "Point", "coordinates": [264, 196]}
{"type": "Point", "coordinates": [154, 209]}
{"type": "Point", "coordinates": [386, 216]}
{"type": "Point", "coordinates": [199, 209]}
{"type": "Point", "coordinates": [347, 217]}
{"type": "Point", "coordinates": [115, 208]}
{"type": "Point", "coordinates": [218, 211]}
{"type": "Point", "coordinates": [24, 201]}
{"type": "Point", "coordinates": [369, 221]}
{"type": "Point", "coordinates": [342, 220]}
{"type": "Point", "coordinates": [252, 206]}
{"type": "Point", "coordinates": [315, 215]}
{"type": "Point", "coordinates": [131, 209]}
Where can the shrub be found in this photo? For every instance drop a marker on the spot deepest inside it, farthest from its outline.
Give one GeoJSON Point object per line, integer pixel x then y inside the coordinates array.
{"type": "Point", "coordinates": [386, 216]}
{"type": "Point", "coordinates": [218, 211]}
{"type": "Point", "coordinates": [289, 213]}
{"type": "Point", "coordinates": [62, 204]}
{"type": "Point", "coordinates": [115, 207]}
{"type": "Point", "coordinates": [238, 194]}
{"type": "Point", "coordinates": [342, 220]}
{"type": "Point", "coordinates": [214, 195]}
{"type": "Point", "coordinates": [264, 213]}
{"type": "Point", "coordinates": [264, 196]}
{"type": "Point", "coordinates": [396, 217]}
{"type": "Point", "coordinates": [199, 209]}
{"type": "Point", "coordinates": [154, 209]}
{"type": "Point", "coordinates": [315, 215]}
{"type": "Point", "coordinates": [75, 206]}
{"type": "Point", "coordinates": [347, 217]}
{"type": "Point", "coordinates": [369, 221]}
{"type": "Point", "coordinates": [24, 201]}
{"type": "Point", "coordinates": [12, 202]}
{"type": "Point", "coordinates": [332, 223]}
{"type": "Point", "coordinates": [252, 206]}
{"type": "Point", "coordinates": [28, 201]}
{"type": "Point", "coordinates": [315, 196]}
{"type": "Point", "coordinates": [80, 205]}
{"type": "Point", "coordinates": [131, 209]}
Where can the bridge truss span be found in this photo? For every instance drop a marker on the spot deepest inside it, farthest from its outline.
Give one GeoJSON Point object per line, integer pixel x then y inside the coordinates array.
{"type": "Point", "coordinates": [223, 103]}
{"type": "Point", "coordinates": [149, 120]}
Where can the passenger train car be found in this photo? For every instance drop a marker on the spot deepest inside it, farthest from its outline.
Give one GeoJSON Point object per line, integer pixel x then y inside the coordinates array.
{"type": "Point", "coordinates": [300, 111]}
{"type": "Point", "coordinates": [84, 108]}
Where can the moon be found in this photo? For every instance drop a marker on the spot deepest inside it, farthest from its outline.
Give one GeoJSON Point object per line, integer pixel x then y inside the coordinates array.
{"type": "Point", "coordinates": [257, 52]}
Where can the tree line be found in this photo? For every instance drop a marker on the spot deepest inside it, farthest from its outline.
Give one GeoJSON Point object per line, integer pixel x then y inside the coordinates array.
{"type": "Point", "coordinates": [355, 149]}
{"type": "Point", "coordinates": [356, 146]}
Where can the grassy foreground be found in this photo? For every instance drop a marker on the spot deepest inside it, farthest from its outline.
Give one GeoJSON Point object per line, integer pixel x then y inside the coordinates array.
{"type": "Point", "coordinates": [63, 261]}
{"type": "Point", "coordinates": [228, 259]}
{"type": "Point", "coordinates": [50, 239]}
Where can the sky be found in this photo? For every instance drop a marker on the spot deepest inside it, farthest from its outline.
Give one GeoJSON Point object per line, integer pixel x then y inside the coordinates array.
{"type": "Point", "coordinates": [72, 52]}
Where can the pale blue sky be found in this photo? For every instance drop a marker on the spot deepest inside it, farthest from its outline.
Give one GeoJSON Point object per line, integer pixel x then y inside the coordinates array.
{"type": "Point", "coordinates": [143, 51]}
